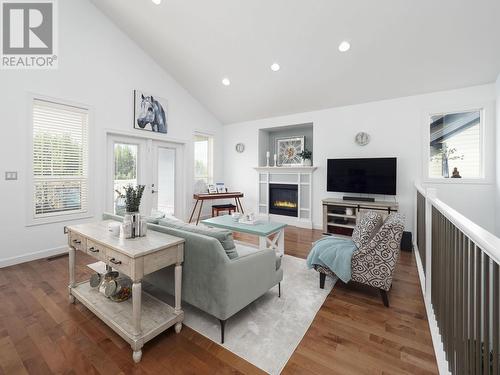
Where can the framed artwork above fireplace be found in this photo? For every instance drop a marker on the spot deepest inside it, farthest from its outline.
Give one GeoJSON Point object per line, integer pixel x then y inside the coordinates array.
{"type": "Point", "coordinates": [288, 150]}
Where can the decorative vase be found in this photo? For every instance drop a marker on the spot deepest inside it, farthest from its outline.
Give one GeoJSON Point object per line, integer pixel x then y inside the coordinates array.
{"type": "Point", "coordinates": [135, 219]}
{"type": "Point", "coordinates": [306, 162]}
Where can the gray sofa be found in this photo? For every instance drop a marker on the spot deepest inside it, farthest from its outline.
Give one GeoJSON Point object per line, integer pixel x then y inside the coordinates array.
{"type": "Point", "coordinates": [210, 280]}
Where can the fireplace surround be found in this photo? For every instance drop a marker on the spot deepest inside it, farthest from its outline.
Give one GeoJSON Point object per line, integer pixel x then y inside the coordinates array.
{"type": "Point", "coordinates": [299, 179]}
{"type": "Point", "coordinates": [283, 199]}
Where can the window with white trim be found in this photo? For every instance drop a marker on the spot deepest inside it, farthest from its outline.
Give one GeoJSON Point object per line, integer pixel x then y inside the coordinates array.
{"type": "Point", "coordinates": [456, 145]}
{"type": "Point", "coordinates": [203, 159]}
{"type": "Point", "coordinates": [60, 159]}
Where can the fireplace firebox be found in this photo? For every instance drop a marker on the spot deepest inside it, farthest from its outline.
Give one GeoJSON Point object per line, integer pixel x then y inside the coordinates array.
{"type": "Point", "coordinates": [283, 199]}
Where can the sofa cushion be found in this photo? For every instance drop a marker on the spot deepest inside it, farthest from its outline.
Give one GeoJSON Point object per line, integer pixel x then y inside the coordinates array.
{"type": "Point", "coordinates": [369, 224]}
{"type": "Point", "coordinates": [225, 237]}
{"type": "Point", "coordinates": [244, 250]}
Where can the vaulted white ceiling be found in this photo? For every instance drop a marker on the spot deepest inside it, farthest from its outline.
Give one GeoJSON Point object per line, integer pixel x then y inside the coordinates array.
{"type": "Point", "coordinates": [399, 48]}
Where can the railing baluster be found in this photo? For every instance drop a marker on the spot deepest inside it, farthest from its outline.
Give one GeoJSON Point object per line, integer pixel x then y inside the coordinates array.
{"type": "Point", "coordinates": [460, 317]}
{"type": "Point", "coordinates": [453, 296]}
{"type": "Point", "coordinates": [477, 353]}
{"type": "Point", "coordinates": [471, 306]}
{"type": "Point", "coordinates": [465, 306]}
{"type": "Point", "coordinates": [486, 314]}
{"type": "Point", "coordinates": [496, 317]}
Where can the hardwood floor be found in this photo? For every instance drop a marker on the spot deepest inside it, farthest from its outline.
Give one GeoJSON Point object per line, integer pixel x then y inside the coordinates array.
{"type": "Point", "coordinates": [353, 333]}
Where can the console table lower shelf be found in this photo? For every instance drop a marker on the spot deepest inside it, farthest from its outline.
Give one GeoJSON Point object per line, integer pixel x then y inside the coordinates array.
{"type": "Point", "coordinates": [156, 315]}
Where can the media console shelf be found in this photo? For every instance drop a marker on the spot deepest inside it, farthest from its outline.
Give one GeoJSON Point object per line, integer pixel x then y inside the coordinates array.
{"type": "Point", "coordinates": [337, 220]}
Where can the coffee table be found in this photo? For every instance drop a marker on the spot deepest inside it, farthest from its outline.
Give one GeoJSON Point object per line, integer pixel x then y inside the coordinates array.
{"type": "Point", "coordinates": [271, 235]}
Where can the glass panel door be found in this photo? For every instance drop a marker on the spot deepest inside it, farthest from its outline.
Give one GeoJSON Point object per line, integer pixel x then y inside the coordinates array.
{"type": "Point", "coordinates": [155, 164]}
{"type": "Point", "coordinates": [126, 158]}
{"type": "Point", "coordinates": [125, 172]}
{"type": "Point", "coordinates": [163, 187]}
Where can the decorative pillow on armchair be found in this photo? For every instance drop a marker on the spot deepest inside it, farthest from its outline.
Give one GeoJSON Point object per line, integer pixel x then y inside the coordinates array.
{"type": "Point", "coordinates": [369, 224]}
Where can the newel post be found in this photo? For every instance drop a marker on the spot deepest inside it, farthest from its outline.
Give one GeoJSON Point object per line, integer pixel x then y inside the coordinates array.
{"type": "Point", "coordinates": [430, 194]}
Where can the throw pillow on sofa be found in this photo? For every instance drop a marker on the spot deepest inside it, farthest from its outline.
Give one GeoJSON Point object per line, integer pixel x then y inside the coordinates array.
{"type": "Point", "coordinates": [224, 236]}
{"type": "Point", "coordinates": [369, 223]}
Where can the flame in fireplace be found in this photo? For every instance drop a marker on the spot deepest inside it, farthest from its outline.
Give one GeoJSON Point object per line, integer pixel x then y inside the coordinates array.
{"type": "Point", "coordinates": [285, 204]}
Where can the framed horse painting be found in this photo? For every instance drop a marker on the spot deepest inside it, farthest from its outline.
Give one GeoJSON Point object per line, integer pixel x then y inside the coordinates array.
{"type": "Point", "coordinates": [150, 112]}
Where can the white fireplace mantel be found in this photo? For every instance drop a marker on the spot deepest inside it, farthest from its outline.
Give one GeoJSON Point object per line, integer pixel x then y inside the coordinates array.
{"type": "Point", "coordinates": [298, 175]}
{"type": "Point", "coordinates": [297, 169]}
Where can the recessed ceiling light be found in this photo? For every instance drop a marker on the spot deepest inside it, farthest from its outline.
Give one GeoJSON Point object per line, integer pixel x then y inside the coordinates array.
{"type": "Point", "coordinates": [344, 46]}
{"type": "Point", "coordinates": [157, 2]}
{"type": "Point", "coordinates": [275, 67]}
{"type": "Point", "coordinates": [226, 81]}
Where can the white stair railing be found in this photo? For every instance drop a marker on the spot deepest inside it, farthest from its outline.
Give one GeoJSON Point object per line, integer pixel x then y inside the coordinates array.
{"type": "Point", "coordinates": [459, 271]}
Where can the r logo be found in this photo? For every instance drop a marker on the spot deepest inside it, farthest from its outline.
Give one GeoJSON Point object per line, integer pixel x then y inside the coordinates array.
{"type": "Point", "coordinates": [27, 28]}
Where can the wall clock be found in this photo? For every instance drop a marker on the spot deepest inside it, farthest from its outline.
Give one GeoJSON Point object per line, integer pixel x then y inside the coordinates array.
{"type": "Point", "coordinates": [240, 147]}
{"type": "Point", "coordinates": [362, 139]}
{"type": "Point", "coordinates": [288, 150]}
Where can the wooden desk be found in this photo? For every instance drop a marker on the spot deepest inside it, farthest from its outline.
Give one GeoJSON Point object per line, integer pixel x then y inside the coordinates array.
{"type": "Point", "coordinates": [145, 317]}
{"type": "Point", "coordinates": [236, 195]}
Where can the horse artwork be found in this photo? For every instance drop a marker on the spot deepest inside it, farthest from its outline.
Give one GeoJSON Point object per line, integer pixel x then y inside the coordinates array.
{"type": "Point", "coordinates": [150, 112]}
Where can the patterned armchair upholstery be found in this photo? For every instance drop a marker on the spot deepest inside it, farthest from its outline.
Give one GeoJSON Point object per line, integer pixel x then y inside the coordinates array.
{"type": "Point", "coordinates": [378, 245]}
{"type": "Point", "coordinates": [374, 263]}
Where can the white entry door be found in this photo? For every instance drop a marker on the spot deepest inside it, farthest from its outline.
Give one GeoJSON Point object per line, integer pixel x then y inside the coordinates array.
{"type": "Point", "coordinates": [155, 164]}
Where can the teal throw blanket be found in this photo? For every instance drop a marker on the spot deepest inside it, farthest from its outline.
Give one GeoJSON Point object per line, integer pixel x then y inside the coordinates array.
{"type": "Point", "coordinates": [334, 253]}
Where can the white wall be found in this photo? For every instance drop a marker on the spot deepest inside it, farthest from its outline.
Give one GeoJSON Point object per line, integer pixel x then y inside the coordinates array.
{"type": "Point", "coordinates": [98, 66]}
{"type": "Point", "coordinates": [497, 219]}
{"type": "Point", "coordinates": [396, 128]}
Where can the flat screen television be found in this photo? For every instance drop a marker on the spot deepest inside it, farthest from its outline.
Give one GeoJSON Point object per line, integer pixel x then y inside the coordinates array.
{"type": "Point", "coordinates": [369, 176]}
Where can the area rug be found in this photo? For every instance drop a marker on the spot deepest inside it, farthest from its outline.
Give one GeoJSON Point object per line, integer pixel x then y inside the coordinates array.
{"type": "Point", "coordinates": [267, 331]}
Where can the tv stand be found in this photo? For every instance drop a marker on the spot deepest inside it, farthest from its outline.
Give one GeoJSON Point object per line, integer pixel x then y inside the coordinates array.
{"type": "Point", "coordinates": [358, 199]}
{"type": "Point", "coordinates": [340, 215]}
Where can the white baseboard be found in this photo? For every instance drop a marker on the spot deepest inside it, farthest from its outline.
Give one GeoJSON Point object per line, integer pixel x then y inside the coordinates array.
{"type": "Point", "coordinates": [33, 256]}
{"type": "Point", "coordinates": [436, 336]}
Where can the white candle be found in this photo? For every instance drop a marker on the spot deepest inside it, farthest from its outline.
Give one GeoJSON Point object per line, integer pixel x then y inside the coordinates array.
{"type": "Point", "coordinates": [268, 154]}
{"type": "Point", "coordinates": [275, 159]}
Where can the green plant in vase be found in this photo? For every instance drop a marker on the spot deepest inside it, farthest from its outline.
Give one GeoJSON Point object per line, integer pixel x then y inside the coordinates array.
{"type": "Point", "coordinates": [306, 156]}
{"type": "Point", "coordinates": [133, 196]}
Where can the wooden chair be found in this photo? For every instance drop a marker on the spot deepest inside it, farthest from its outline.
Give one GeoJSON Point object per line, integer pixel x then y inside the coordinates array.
{"type": "Point", "coordinates": [217, 208]}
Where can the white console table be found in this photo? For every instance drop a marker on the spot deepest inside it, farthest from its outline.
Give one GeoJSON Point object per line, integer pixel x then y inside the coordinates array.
{"type": "Point", "coordinates": [145, 317]}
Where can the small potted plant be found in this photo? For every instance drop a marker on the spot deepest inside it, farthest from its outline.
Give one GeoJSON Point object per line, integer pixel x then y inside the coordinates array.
{"type": "Point", "coordinates": [306, 156]}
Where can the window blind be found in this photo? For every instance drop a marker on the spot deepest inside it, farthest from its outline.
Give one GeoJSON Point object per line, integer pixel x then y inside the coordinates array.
{"type": "Point", "coordinates": [60, 159]}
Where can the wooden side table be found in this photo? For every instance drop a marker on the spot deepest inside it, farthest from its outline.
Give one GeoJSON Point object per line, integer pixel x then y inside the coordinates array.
{"type": "Point", "coordinates": [145, 317]}
{"type": "Point", "coordinates": [200, 198]}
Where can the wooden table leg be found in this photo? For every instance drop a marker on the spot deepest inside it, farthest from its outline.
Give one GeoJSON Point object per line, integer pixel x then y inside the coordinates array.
{"type": "Point", "coordinates": [136, 318]}
{"type": "Point", "coordinates": [281, 242]}
{"type": "Point", "coordinates": [192, 212]}
{"type": "Point", "coordinates": [72, 255]}
{"type": "Point", "coordinates": [277, 243]}
{"type": "Point", "coordinates": [241, 207]}
{"type": "Point", "coordinates": [262, 243]}
{"type": "Point", "coordinates": [199, 213]}
{"type": "Point", "coordinates": [178, 288]}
